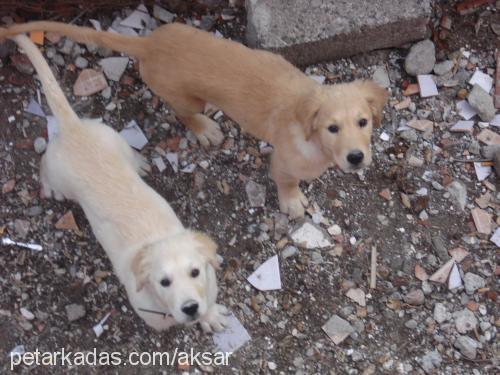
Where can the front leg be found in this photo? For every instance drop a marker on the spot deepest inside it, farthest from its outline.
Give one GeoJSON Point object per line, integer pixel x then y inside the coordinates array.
{"type": "Point", "coordinates": [291, 199]}
{"type": "Point", "coordinates": [215, 319]}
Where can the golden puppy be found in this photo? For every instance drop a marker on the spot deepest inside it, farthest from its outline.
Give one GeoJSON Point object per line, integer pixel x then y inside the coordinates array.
{"type": "Point", "coordinates": [167, 270]}
{"type": "Point", "coordinates": [310, 126]}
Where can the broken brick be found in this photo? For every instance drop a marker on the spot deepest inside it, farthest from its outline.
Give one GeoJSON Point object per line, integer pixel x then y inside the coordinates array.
{"type": "Point", "coordinates": [482, 220]}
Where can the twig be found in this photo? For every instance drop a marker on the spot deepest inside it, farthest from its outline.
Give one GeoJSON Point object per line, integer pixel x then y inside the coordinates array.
{"type": "Point", "coordinates": [373, 270]}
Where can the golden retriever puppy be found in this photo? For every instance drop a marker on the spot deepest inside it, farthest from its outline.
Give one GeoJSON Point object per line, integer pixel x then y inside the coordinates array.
{"type": "Point", "coordinates": [311, 126]}
{"type": "Point", "coordinates": [167, 270]}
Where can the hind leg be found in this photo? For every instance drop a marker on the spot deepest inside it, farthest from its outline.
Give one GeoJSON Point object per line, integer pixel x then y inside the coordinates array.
{"type": "Point", "coordinates": [47, 189]}
{"type": "Point", "coordinates": [190, 112]}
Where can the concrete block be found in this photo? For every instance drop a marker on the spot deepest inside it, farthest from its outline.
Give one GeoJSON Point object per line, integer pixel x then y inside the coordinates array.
{"type": "Point", "coordinates": [311, 31]}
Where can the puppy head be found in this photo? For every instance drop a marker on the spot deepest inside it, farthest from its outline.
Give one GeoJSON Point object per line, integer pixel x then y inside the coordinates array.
{"type": "Point", "coordinates": [178, 271]}
{"type": "Point", "coordinates": [340, 118]}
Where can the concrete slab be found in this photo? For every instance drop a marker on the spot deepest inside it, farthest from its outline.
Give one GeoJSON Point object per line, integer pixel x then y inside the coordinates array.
{"type": "Point", "coordinates": [311, 31]}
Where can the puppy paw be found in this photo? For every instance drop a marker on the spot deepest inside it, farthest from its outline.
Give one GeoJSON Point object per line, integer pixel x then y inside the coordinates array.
{"type": "Point", "coordinates": [141, 164]}
{"type": "Point", "coordinates": [294, 204]}
{"type": "Point", "coordinates": [209, 133]}
{"type": "Point", "coordinates": [215, 319]}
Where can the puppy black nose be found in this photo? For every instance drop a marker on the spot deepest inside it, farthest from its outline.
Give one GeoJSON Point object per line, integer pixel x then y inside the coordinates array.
{"type": "Point", "coordinates": [355, 157]}
{"type": "Point", "coordinates": [190, 308]}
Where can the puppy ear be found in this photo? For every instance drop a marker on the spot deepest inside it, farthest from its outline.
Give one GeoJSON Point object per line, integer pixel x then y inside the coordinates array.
{"type": "Point", "coordinates": [376, 97]}
{"type": "Point", "coordinates": [307, 113]}
{"type": "Point", "coordinates": [208, 249]}
{"type": "Point", "coordinates": [139, 268]}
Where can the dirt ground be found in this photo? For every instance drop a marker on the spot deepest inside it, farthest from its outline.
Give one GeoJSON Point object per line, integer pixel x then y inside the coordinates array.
{"type": "Point", "coordinates": [285, 325]}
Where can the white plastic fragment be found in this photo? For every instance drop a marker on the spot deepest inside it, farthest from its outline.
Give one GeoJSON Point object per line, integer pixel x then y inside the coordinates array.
{"type": "Point", "coordinates": [31, 246]}
{"type": "Point", "coordinates": [482, 79]}
{"type": "Point", "coordinates": [34, 108]}
{"type": "Point", "coordinates": [482, 171]}
{"type": "Point", "coordinates": [267, 275]}
{"type": "Point", "coordinates": [138, 19]}
{"type": "Point", "coordinates": [427, 85]}
{"type": "Point", "coordinates": [385, 137]}
{"type": "Point", "coordinates": [233, 337]}
{"type": "Point", "coordinates": [160, 164]}
{"type": "Point", "coordinates": [454, 281]}
{"type": "Point", "coordinates": [134, 136]}
{"type": "Point", "coordinates": [496, 237]}
{"type": "Point", "coordinates": [466, 110]}
{"type": "Point", "coordinates": [173, 160]}
{"type": "Point", "coordinates": [463, 127]}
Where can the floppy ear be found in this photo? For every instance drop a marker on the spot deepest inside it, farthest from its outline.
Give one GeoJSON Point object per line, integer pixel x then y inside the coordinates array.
{"type": "Point", "coordinates": [376, 97]}
{"type": "Point", "coordinates": [139, 268]}
{"type": "Point", "coordinates": [208, 249]}
{"type": "Point", "coordinates": [307, 113]}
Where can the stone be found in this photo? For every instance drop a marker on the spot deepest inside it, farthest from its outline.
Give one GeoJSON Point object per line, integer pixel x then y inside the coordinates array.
{"type": "Point", "coordinates": [357, 295]}
{"type": "Point", "coordinates": [467, 346]}
{"type": "Point", "coordinates": [256, 194]}
{"type": "Point", "coordinates": [114, 67]}
{"type": "Point", "coordinates": [89, 82]}
{"type": "Point", "coordinates": [441, 314]}
{"type": "Point", "coordinates": [310, 236]}
{"type": "Point", "coordinates": [465, 320]}
{"type": "Point", "coordinates": [458, 191]}
{"type": "Point", "coordinates": [482, 220]}
{"type": "Point", "coordinates": [421, 58]}
{"type": "Point", "coordinates": [75, 312]}
{"type": "Point", "coordinates": [22, 63]}
{"type": "Point", "coordinates": [21, 228]}
{"type": "Point", "coordinates": [482, 102]}
{"type": "Point", "coordinates": [40, 144]}
{"type": "Point", "coordinates": [338, 329]}
{"type": "Point", "coordinates": [163, 14]}
{"type": "Point", "coordinates": [489, 137]}
{"type": "Point", "coordinates": [431, 361]}
{"type": "Point", "coordinates": [289, 251]}
{"type": "Point", "coordinates": [34, 211]}
{"type": "Point", "coordinates": [415, 297]}
{"type": "Point", "coordinates": [473, 282]}
{"type": "Point", "coordinates": [306, 32]}
{"type": "Point", "coordinates": [443, 67]}
{"type": "Point", "coordinates": [81, 62]}
{"type": "Point", "coordinates": [381, 77]}
{"type": "Point", "coordinates": [67, 46]}
{"type": "Point", "coordinates": [335, 230]}
{"type": "Point", "coordinates": [421, 125]}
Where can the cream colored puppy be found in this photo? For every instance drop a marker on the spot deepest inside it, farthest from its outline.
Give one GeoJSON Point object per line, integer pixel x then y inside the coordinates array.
{"type": "Point", "coordinates": [167, 270]}
{"type": "Point", "coordinates": [311, 126]}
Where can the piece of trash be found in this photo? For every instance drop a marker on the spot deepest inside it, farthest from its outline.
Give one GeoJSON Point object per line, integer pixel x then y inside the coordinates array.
{"type": "Point", "coordinates": [218, 115]}
{"type": "Point", "coordinates": [441, 275]}
{"type": "Point", "coordinates": [11, 119]}
{"type": "Point", "coordinates": [173, 160]}
{"type": "Point", "coordinates": [160, 164]}
{"type": "Point", "coordinates": [256, 194]}
{"type": "Point", "coordinates": [138, 19]}
{"type": "Point", "coordinates": [18, 351]}
{"type": "Point", "coordinates": [267, 275]}
{"type": "Point", "coordinates": [96, 24]}
{"type": "Point", "coordinates": [310, 236]}
{"type": "Point", "coordinates": [427, 85]}
{"type": "Point", "coordinates": [52, 127]}
{"type": "Point", "coordinates": [89, 82]}
{"type": "Point", "coordinates": [482, 220]}
{"type": "Point", "coordinates": [134, 136]}
{"type": "Point", "coordinates": [385, 137]}
{"type": "Point", "coordinates": [189, 168]}
{"type": "Point", "coordinates": [34, 108]}
{"type": "Point", "coordinates": [233, 337]}
{"type": "Point", "coordinates": [455, 281]}
{"type": "Point", "coordinates": [463, 127]}
{"type": "Point", "coordinates": [31, 246]}
{"type": "Point", "coordinates": [337, 329]}
{"type": "Point", "coordinates": [496, 237]}
{"type": "Point", "coordinates": [98, 328]}
{"type": "Point", "coordinates": [482, 171]}
{"type": "Point", "coordinates": [357, 295]}
{"type": "Point", "coordinates": [482, 79]}
{"type": "Point", "coordinates": [466, 110]}
{"type": "Point", "coordinates": [114, 67]}
{"type": "Point", "coordinates": [37, 37]}
{"type": "Point", "coordinates": [67, 222]}
{"type": "Point", "coordinates": [318, 78]}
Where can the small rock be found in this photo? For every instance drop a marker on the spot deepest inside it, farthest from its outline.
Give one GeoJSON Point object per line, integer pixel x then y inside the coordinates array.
{"type": "Point", "coordinates": [114, 67]}
{"type": "Point", "coordinates": [40, 144]}
{"type": "Point", "coordinates": [473, 282]}
{"type": "Point", "coordinates": [163, 14]}
{"type": "Point", "coordinates": [310, 236]}
{"type": "Point", "coordinates": [67, 46]}
{"type": "Point", "coordinates": [458, 192]}
{"type": "Point", "coordinates": [431, 361]}
{"type": "Point", "coordinates": [441, 314]}
{"type": "Point", "coordinates": [483, 102]}
{"type": "Point", "coordinates": [27, 314]}
{"type": "Point", "coordinates": [81, 62]}
{"type": "Point", "coordinates": [357, 295]}
{"type": "Point", "coordinates": [338, 329]}
{"type": "Point", "coordinates": [411, 324]}
{"type": "Point", "coordinates": [256, 194]}
{"type": "Point", "coordinates": [466, 346]}
{"type": "Point", "coordinates": [21, 228]}
{"type": "Point", "coordinates": [415, 297]}
{"type": "Point", "coordinates": [335, 230]}
{"type": "Point", "coordinates": [289, 251]}
{"type": "Point", "coordinates": [381, 77]}
{"type": "Point", "coordinates": [89, 82]}
{"type": "Point", "coordinates": [465, 320]}
{"type": "Point", "coordinates": [421, 58]}
{"type": "Point", "coordinates": [34, 211]}
{"type": "Point", "coordinates": [59, 60]}
{"type": "Point", "coordinates": [443, 67]}
{"type": "Point", "coordinates": [75, 312]}
{"type": "Point", "coordinates": [409, 135]}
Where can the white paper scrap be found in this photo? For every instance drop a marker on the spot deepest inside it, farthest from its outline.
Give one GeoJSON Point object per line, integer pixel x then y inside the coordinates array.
{"type": "Point", "coordinates": [138, 19]}
{"type": "Point", "coordinates": [267, 275]}
{"type": "Point", "coordinates": [483, 80]}
{"type": "Point", "coordinates": [98, 328]}
{"type": "Point", "coordinates": [482, 171]}
{"type": "Point", "coordinates": [134, 136]}
{"type": "Point", "coordinates": [96, 24]}
{"type": "Point", "coordinates": [233, 337]}
{"type": "Point", "coordinates": [463, 127]}
{"type": "Point", "coordinates": [34, 108]}
{"type": "Point", "coordinates": [427, 85]}
{"type": "Point", "coordinates": [466, 110]}
{"type": "Point", "coordinates": [454, 281]}
{"type": "Point", "coordinates": [160, 164]}
{"type": "Point", "coordinates": [173, 160]}
{"type": "Point", "coordinates": [496, 237]}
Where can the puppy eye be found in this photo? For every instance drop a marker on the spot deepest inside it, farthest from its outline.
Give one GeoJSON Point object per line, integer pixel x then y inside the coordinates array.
{"type": "Point", "coordinates": [333, 129]}
{"type": "Point", "coordinates": [165, 282]}
{"type": "Point", "coordinates": [363, 122]}
{"type": "Point", "coordinates": [195, 272]}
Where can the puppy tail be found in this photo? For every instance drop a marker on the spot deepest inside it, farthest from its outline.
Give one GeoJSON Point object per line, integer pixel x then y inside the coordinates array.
{"type": "Point", "coordinates": [133, 46]}
{"type": "Point", "coordinates": [55, 96]}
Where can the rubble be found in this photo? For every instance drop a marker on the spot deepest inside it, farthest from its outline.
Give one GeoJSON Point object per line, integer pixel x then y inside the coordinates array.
{"type": "Point", "coordinates": [256, 194]}
{"type": "Point", "coordinates": [482, 102]}
{"type": "Point", "coordinates": [75, 312]}
{"type": "Point", "coordinates": [465, 320]}
{"type": "Point", "coordinates": [473, 282]}
{"type": "Point", "coordinates": [310, 236]}
{"type": "Point", "coordinates": [421, 58]}
{"type": "Point", "coordinates": [467, 346]}
{"type": "Point", "coordinates": [338, 329]}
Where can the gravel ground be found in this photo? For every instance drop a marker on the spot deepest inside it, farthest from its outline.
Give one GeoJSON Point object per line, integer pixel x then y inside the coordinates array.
{"type": "Point", "coordinates": [413, 205]}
